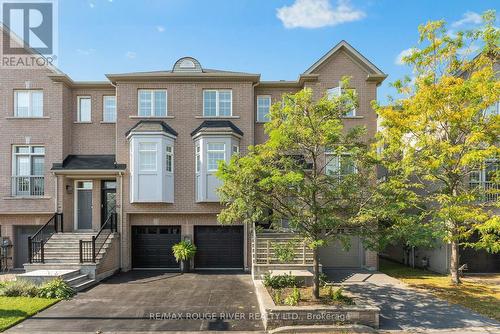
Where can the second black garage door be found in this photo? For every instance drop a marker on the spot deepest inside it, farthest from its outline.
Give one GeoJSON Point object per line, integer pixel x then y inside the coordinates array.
{"type": "Point", "coordinates": [152, 246]}
{"type": "Point", "coordinates": [218, 247]}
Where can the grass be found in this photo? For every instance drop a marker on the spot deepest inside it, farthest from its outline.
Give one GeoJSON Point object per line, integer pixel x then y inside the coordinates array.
{"type": "Point", "coordinates": [13, 310]}
{"type": "Point", "coordinates": [480, 296]}
{"type": "Point", "coordinates": [306, 296]}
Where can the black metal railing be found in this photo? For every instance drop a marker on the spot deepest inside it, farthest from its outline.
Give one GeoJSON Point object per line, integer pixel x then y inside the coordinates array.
{"type": "Point", "coordinates": [37, 241]}
{"type": "Point", "coordinates": [89, 249]}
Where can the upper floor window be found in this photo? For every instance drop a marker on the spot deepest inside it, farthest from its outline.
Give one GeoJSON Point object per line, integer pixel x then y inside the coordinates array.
{"type": "Point", "coordinates": [215, 153]}
{"type": "Point", "coordinates": [492, 110]}
{"type": "Point", "coordinates": [336, 92]}
{"type": "Point", "coordinates": [84, 109]}
{"type": "Point", "coordinates": [263, 106]}
{"type": "Point", "coordinates": [147, 157]}
{"type": "Point", "coordinates": [152, 102]}
{"type": "Point", "coordinates": [28, 103]}
{"type": "Point", "coordinates": [169, 159]}
{"type": "Point", "coordinates": [28, 171]}
{"type": "Point", "coordinates": [109, 109]}
{"type": "Point", "coordinates": [217, 102]}
{"type": "Point", "coordinates": [340, 165]}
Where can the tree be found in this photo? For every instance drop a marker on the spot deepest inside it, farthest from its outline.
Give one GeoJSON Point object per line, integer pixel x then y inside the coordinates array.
{"type": "Point", "coordinates": [438, 134]}
{"type": "Point", "coordinates": [293, 174]}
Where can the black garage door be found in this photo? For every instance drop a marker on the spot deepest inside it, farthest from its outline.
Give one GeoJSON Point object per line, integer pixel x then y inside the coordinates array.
{"type": "Point", "coordinates": [218, 247]}
{"type": "Point", "coordinates": [152, 246]}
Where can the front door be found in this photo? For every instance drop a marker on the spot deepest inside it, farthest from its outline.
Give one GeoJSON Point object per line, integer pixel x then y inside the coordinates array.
{"type": "Point", "coordinates": [84, 205]}
{"type": "Point", "coordinates": [108, 200]}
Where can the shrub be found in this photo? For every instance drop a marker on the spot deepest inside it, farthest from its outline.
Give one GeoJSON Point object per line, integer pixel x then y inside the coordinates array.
{"type": "Point", "coordinates": [278, 296]}
{"type": "Point", "coordinates": [293, 298]}
{"type": "Point", "coordinates": [56, 288]}
{"type": "Point", "coordinates": [323, 279]}
{"type": "Point", "coordinates": [338, 296]}
{"type": "Point", "coordinates": [184, 250]}
{"type": "Point", "coordinates": [19, 288]}
{"type": "Point", "coordinates": [280, 281]}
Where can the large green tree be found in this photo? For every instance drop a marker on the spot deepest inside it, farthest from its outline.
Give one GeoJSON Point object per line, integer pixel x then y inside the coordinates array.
{"type": "Point", "coordinates": [312, 172]}
{"type": "Point", "coordinates": [436, 138]}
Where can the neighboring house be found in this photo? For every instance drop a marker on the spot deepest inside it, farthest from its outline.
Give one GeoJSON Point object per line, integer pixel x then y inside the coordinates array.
{"type": "Point", "coordinates": [137, 154]}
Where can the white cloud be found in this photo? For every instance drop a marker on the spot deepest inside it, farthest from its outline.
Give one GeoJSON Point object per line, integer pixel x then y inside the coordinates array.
{"type": "Point", "coordinates": [318, 13]}
{"type": "Point", "coordinates": [160, 28]}
{"type": "Point", "coordinates": [404, 53]}
{"type": "Point", "coordinates": [468, 18]}
{"type": "Point", "coordinates": [130, 55]}
{"type": "Point", "coordinates": [85, 52]}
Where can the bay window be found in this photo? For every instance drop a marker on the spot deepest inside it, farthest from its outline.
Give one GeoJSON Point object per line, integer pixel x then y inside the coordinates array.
{"type": "Point", "coordinates": [169, 159]}
{"type": "Point", "coordinates": [147, 157]}
{"type": "Point", "coordinates": [215, 152]}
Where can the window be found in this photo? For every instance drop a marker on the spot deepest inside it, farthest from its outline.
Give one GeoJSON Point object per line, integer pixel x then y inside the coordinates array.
{"type": "Point", "coordinates": [169, 159]}
{"type": "Point", "coordinates": [337, 92]}
{"type": "Point", "coordinates": [217, 103]}
{"type": "Point", "coordinates": [152, 103]}
{"type": "Point", "coordinates": [263, 106]}
{"type": "Point", "coordinates": [109, 109]}
{"type": "Point", "coordinates": [492, 110]}
{"type": "Point", "coordinates": [198, 158]}
{"type": "Point", "coordinates": [28, 171]}
{"type": "Point", "coordinates": [236, 150]}
{"type": "Point", "coordinates": [84, 109]}
{"type": "Point", "coordinates": [484, 179]}
{"type": "Point", "coordinates": [340, 165]}
{"type": "Point", "coordinates": [28, 103]}
{"type": "Point", "coordinates": [215, 153]}
{"type": "Point", "coordinates": [147, 157]}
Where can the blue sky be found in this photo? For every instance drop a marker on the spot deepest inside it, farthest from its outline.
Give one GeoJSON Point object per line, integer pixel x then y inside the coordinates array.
{"type": "Point", "coordinates": [279, 39]}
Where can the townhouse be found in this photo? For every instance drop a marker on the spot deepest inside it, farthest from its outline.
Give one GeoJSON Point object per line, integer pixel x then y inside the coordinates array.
{"type": "Point", "coordinates": [109, 175]}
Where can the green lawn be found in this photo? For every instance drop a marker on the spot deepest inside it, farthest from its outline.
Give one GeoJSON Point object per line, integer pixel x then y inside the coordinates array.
{"type": "Point", "coordinates": [15, 309]}
{"type": "Point", "coordinates": [479, 296]}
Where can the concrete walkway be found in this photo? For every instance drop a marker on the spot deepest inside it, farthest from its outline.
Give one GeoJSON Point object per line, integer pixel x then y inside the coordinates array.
{"type": "Point", "coordinates": [406, 309]}
{"type": "Point", "coordinates": [140, 301]}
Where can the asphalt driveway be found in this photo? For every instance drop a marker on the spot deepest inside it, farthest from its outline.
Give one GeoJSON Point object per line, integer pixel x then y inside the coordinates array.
{"type": "Point", "coordinates": [140, 301]}
{"type": "Point", "coordinates": [406, 309]}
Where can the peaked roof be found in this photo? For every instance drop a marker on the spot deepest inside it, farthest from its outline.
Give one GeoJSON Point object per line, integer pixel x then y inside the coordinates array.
{"type": "Point", "coordinates": [218, 124]}
{"type": "Point", "coordinates": [153, 126]}
{"type": "Point", "coordinates": [373, 70]}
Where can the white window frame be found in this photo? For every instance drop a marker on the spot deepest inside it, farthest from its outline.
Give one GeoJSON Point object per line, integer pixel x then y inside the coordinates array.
{"type": "Point", "coordinates": [79, 115]}
{"type": "Point", "coordinates": [197, 161]}
{"type": "Point", "coordinates": [235, 150]}
{"type": "Point", "coordinates": [215, 151]}
{"type": "Point", "coordinates": [152, 109]}
{"type": "Point", "coordinates": [104, 109]}
{"type": "Point", "coordinates": [495, 105]}
{"type": "Point", "coordinates": [217, 102]}
{"type": "Point", "coordinates": [169, 155]}
{"type": "Point", "coordinates": [30, 102]}
{"type": "Point", "coordinates": [30, 156]}
{"type": "Point", "coordinates": [266, 116]}
{"type": "Point", "coordinates": [336, 159]}
{"type": "Point", "coordinates": [140, 150]}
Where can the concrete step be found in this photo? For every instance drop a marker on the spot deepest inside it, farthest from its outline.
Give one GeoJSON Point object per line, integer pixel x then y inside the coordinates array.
{"type": "Point", "coordinates": [80, 278]}
{"type": "Point", "coordinates": [84, 285]}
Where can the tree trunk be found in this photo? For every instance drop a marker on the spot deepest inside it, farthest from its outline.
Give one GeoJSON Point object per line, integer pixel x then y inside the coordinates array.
{"type": "Point", "coordinates": [316, 274]}
{"type": "Point", "coordinates": [454, 262]}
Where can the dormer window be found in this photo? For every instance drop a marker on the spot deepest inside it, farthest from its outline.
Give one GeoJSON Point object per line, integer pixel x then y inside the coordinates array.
{"type": "Point", "coordinates": [187, 63]}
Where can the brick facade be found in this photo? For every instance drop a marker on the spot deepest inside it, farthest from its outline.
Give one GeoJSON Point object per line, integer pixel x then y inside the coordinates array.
{"type": "Point", "coordinates": [61, 136]}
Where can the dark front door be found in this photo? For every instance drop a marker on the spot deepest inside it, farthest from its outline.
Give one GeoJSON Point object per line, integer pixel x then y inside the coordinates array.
{"type": "Point", "coordinates": [218, 247]}
{"type": "Point", "coordinates": [108, 200]}
{"type": "Point", "coordinates": [21, 244]}
{"type": "Point", "coordinates": [152, 246]}
{"type": "Point", "coordinates": [84, 209]}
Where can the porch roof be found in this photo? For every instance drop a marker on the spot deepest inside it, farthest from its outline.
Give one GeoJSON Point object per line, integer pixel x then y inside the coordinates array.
{"type": "Point", "coordinates": [96, 162]}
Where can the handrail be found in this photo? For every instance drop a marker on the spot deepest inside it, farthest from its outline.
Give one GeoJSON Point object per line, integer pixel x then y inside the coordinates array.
{"type": "Point", "coordinates": [89, 249]}
{"type": "Point", "coordinates": [37, 241]}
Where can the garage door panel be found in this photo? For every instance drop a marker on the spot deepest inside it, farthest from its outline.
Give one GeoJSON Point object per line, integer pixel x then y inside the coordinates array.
{"type": "Point", "coordinates": [152, 246]}
{"type": "Point", "coordinates": [335, 256]}
{"type": "Point", "coordinates": [219, 246]}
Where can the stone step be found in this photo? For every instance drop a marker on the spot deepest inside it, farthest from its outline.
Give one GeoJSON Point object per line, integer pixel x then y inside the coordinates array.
{"type": "Point", "coordinates": [80, 278]}
{"type": "Point", "coordinates": [84, 285]}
